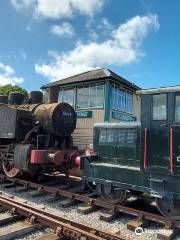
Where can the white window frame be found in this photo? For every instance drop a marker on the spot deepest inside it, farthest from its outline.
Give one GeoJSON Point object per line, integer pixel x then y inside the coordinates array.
{"type": "Point", "coordinates": [119, 100]}
{"type": "Point", "coordinates": [89, 86]}
{"type": "Point", "coordinates": [66, 89]}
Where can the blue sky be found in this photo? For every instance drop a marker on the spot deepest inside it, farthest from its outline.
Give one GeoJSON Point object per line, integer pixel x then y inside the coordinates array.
{"type": "Point", "coordinates": [47, 40]}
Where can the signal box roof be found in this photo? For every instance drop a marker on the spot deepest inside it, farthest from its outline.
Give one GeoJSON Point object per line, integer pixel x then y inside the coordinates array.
{"type": "Point", "coordinates": [159, 90]}
{"type": "Point", "coordinates": [93, 75]}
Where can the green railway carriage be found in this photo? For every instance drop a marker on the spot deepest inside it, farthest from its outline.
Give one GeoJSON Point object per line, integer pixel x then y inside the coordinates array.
{"type": "Point", "coordinates": [140, 157]}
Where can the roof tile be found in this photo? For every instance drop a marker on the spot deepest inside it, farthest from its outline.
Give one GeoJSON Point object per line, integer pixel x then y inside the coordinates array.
{"type": "Point", "coordinates": [95, 74]}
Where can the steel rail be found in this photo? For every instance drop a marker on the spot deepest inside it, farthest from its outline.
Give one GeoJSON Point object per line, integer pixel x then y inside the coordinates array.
{"type": "Point", "coordinates": [96, 202]}
{"type": "Point", "coordinates": [61, 225]}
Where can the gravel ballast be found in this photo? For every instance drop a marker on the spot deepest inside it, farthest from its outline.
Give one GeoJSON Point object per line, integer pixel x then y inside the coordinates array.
{"type": "Point", "coordinates": [150, 232]}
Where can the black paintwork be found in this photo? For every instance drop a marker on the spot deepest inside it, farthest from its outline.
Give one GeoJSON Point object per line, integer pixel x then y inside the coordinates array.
{"type": "Point", "coordinates": [34, 126]}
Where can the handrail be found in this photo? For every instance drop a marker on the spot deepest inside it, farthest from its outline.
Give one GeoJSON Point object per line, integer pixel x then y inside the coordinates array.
{"type": "Point", "coordinates": [171, 151]}
{"type": "Point", "coordinates": [145, 148]}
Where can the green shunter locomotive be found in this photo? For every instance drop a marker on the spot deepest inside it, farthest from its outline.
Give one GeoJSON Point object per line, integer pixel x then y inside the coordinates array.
{"type": "Point", "coordinates": [140, 157]}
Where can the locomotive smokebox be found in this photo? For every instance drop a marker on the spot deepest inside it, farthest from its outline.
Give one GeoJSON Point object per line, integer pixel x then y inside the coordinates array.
{"type": "Point", "coordinates": [16, 98]}
{"type": "Point", "coordinates": [36, 97]}
{"type": "Point", "coordinates": [4, 99]}
{"type": "Point", "coordinates": [56, 118]}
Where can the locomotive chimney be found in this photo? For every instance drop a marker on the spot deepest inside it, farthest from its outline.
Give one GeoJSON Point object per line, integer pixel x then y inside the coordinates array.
{"type": "Point", "coordinates": [4, 99]}
{"type": "Point", "coordinates": [36, 97]}
{"type": "Point", "coordinates": [16, 98]}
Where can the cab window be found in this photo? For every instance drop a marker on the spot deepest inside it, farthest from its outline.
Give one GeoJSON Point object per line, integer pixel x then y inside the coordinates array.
{"type": "Point", "coordinates": [177, 109]}
{"type": "Point", "coordinates": [159, 107]}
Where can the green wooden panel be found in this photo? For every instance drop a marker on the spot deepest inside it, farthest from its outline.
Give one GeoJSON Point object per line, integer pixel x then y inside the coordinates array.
{"type": "Point", "coordinates": [84, 114]}
{"type": "Point", "coordinates": [107, 102]}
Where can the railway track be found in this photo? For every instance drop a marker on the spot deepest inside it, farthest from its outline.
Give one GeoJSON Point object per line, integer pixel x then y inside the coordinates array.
{"type": "Point", "coordinates": [37, 218]}
{"type": "Point", "coordinates": [75, 196]}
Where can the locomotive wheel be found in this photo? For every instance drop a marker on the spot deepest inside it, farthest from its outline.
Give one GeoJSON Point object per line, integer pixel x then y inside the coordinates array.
{"type": "Point", "coordinates": [113, 195]}
{"type": "Point", "coordinates": [10, 169]}
{"type": "Point", "coordinates": [8, 161]}
{"type": "Point", "coordinates": [169, 207]}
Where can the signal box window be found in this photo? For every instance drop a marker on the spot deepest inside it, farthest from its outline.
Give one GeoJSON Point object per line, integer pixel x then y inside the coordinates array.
{"type": "Point", "coordinates": [122, 100]}
{"type": "Point", "coordinates": [45, 96]}
{"type": "Point", "coordinates": [177, 109]}
{"type": "Point", "coordinates": [159, 107]}
{"type": "Point", "coordinates": [66, 96]}
{"type": "Point", "coordinates": [90, 96]}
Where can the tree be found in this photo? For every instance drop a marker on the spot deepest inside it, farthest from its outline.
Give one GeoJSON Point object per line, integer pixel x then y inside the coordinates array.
{"type": "Point", "coordinates": [5, 90]}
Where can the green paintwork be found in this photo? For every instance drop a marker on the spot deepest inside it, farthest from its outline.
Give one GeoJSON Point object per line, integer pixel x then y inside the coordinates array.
{"type": "Point", "coordinates": [107, 101]}
{"type": "Point", "coordinates": [84, 114]}
{"type": "Point", "coordinates": [121, 163]}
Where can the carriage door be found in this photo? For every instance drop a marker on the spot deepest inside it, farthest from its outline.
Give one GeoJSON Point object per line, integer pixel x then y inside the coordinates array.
{"type": "Point", "coordinates": [159, 134]}
{"type": "Point", "coordinates": [175, 166]}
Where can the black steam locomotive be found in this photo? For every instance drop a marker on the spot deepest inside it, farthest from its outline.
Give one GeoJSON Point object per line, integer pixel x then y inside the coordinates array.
{"type": "Point", "coordinates": [35, 137]}
{"type": "Point", "coordinates": [140, 157]}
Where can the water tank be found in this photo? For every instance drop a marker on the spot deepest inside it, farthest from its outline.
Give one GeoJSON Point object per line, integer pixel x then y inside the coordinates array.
{"type": "Point", "coordinates": [36, 97]}
{"type": "Point", "coordinates": [16, 98]}
{"type": "Point", "coordinates": [4, 99]}
{"type": "Point", "coordinates": [56, 118]}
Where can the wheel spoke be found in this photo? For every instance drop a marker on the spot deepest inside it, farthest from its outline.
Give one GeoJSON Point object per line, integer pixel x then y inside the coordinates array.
{"type": "Point", "coordinates": [8, 163]}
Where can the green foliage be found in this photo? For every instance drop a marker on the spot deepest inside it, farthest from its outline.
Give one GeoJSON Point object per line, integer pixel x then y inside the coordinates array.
{"type": "Point", "coordinates": [5, 90]}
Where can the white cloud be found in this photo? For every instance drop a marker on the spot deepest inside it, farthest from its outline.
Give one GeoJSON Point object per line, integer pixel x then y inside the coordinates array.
{"type": "Point", "coordinates": [7, 75]}
{"type": "Point", "coordinates": [104, 24]}
{"type": "Point", "coordinates": [6, 70]}
{"type": "Point", "coordinates": [63, 30]}
{"type": "Point", "coordinates": [56, 9]}
{"type": "Point", "coordinates": [98, 30]}
{"type": "Point", "coordinates": [123, 47]}
{"type": "Point", "coordinates": [23, 4]}
{"type": "Point", "coordinates": [10, 80]}
{"type": "Point", "coordinates": [132, 33]}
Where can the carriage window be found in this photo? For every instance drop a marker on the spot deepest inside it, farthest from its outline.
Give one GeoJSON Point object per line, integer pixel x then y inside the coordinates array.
{"type": "Point", "coordinates": [177, 109]}
{"type": "Point", "coordinates": [121, 137]}
{"type": "Point", "coordinates": [111, 136]}
{"type": "Point", "coordinates": [131, 137]}
{"type": "Point", "coordinates": [107, 136]}
{"type": "Point", "coordinates": [102, 136]}
{"type": "Point", "coordinates": [159, 107]}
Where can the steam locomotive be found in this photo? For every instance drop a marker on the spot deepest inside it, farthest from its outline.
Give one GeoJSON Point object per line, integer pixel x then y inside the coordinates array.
{"type": "Point", "coordinates": [140, 157]}
{"type": "Point", "coordinates": [35, 137]}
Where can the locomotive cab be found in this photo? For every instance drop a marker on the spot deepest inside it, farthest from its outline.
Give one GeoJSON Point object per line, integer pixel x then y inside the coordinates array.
{"type": "Point", "coordinates": [161, 146]}
{"type": "Point", "coordinates": [160, 130]}
{"type": "Point", "coordinates": [140, 157]}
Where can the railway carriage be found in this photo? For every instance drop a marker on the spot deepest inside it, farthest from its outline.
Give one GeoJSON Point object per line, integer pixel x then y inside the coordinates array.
{"type": "Point", "coordinates": [140, 157]}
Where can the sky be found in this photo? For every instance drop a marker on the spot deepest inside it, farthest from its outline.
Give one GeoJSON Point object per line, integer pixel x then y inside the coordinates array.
{"type": "Point", "coordinates": [42, 41]}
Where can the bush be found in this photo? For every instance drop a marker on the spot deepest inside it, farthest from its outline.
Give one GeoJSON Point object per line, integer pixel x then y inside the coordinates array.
{"type": "Point", "coordinates": [5, 90]}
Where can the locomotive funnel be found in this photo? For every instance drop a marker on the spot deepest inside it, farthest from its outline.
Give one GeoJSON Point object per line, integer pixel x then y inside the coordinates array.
{"type": "Point", "coordinates": [4, 99]}
{"type": "Point", "coordinates": [36, 97]}
{"type": "Point", "coordinates": [16, 98]}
